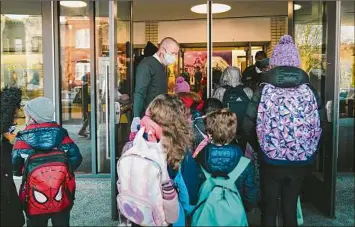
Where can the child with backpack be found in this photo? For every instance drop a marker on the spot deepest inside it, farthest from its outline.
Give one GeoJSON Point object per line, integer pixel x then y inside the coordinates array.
{"type": "Point", "coordinates": [234, 96]}
{"type": "Point", "coordinates": [45, 156]}
{"type": "Point", "coordinates": [285, 117]}
{"type": "Point", "coordinates": [201, 138]}
{"type": "Point", "coordinates": [229, 189]}
{"type": "Point", "coordinates": [150, 198]}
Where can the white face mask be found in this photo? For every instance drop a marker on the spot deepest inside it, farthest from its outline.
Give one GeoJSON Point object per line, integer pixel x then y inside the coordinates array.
{"type": "Point", "coordinates": [169, 58]}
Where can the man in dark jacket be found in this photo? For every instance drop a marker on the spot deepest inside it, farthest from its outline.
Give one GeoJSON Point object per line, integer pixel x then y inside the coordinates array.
{"type": "Point", "coordinates": [151, 78]}
{"type": "Point", "coordinates": [11, 208]}
{"type": "Point", "coordinates": [149, 50]}
{"type": "Point", "coordinates": [280, 178]}
{"type": "Point", "coordinates": [251, 75]}
{"type": "Point", "coordinates": [41, 135]}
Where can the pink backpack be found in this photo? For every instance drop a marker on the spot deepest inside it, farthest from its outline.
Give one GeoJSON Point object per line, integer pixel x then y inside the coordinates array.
{"type": "Point", "coordinates": [141, 171]}
{"type": "Point", "coordinates": [288, 124]}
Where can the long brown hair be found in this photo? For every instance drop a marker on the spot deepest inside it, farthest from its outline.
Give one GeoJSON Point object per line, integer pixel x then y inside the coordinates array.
{"type": "Point", "coordinates": [172, 115]}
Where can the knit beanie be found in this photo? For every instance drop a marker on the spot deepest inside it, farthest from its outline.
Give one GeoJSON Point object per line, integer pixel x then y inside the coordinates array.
{"type": "Point", "coordinates": [285, 53]}
{"type": "Point", "coordinates": [181, 85]}
{"type": "Point", "coordinates": [41, 109]}
{"type": "Point", "coordinates": [150, 49]}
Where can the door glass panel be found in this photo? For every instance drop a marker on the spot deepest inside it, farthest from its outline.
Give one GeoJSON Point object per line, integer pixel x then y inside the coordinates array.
{"type": "Point", "coordinates": [21, 50]}
{"type": "Point", "coordinates": [75, 84]}
{"type": "Point", "coordinates": [310, 37]}
{"type": "Point", "coordinates": [237, 34]}
{"type": "Point", "coordinates": [102, 73]}
{"type": "Point", "coordinates": [102, 78]}
{"type": "Point", "coordinates": [347, 85]}
{"type": "Point", "coordinates": [124, 74]}
{"type": "Point", "coordinates": [185, 26]}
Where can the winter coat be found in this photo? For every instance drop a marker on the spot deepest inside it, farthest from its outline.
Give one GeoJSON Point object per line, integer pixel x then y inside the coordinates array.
{"type": "Point", "coordinates": [231, 78]}
{"type": "Point", "coordinates": [187, 180]}
{"type": "Point", "coordinates": [251, 77]}
{"type": "Point", "coordinates": [191, 174]}
{"type": "Point", "coordinates": [284, 77]}
{"type": "Point", "coordinates": [11, 207]}
{"type": "Point", "coordinates": [43, 137]}
{"type": "Point", "coordinates": [221, 160]}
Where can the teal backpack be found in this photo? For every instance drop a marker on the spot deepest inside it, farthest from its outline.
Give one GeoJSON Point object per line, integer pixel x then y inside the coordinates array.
{"type": "Point", "coordinates": [219, 201]}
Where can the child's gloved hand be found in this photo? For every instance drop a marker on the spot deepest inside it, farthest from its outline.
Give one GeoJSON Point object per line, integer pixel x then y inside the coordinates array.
{"type": "Point", "coordinates": [135, 123]}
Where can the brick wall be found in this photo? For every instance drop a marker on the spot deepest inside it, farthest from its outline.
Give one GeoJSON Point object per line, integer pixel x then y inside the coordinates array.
{"type": "Point", "coordinates": [151, 32]}
{"type": "Point", "coordinates": [278, 29]}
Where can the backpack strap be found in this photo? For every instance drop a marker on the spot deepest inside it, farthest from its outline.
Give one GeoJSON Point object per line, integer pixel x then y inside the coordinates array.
{"type": "Point", "coordinates": [238, 170]}
{"type": "Point", "coordinates": [207, 174]}
{"type": "Point", "coordinates": [233, 176]}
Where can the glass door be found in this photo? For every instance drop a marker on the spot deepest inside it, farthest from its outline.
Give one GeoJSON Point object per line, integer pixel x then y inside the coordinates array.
{"type": "Point", "coordinates": [316, 35]}
{"type": "Point", "coordinates": [112, 32]}
{"type": "Point", "coordinates": [108, 53]}
{"type": "Point", "coordinates": [75, 51]}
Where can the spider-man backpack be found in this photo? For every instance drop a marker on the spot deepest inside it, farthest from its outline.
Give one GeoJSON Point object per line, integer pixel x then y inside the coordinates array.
{"type": "Point", "coordinates": [48, 184]}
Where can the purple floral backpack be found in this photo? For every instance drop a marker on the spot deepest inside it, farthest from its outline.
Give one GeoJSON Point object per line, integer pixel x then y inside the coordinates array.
{"type": "Point", "coordinates": [288, 124]}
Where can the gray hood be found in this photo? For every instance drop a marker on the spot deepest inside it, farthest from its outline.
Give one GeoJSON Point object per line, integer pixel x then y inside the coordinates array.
{"type": "Point", "coordinates": [231, 77]}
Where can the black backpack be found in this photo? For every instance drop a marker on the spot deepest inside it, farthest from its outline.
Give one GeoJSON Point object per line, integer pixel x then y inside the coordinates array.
{"type": "Point", "coordinates": [236, 100]}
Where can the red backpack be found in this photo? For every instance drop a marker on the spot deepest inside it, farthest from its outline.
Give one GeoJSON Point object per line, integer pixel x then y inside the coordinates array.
{"type": "Point", "coordinates": [48, 184]}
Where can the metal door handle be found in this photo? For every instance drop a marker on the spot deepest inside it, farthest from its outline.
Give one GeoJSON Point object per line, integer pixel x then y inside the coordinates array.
{"type": "Point", "coordinates": [329, 108]}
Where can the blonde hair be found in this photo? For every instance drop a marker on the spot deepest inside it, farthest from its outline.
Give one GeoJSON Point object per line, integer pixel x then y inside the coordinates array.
{"type": "Point", "coordinates": [172, 116]}
{"type": "Point", "coordinates": [222, 126]}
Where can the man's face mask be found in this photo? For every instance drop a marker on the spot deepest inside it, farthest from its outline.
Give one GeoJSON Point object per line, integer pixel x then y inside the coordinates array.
{"type": "Point", "coordinates": [169, 58]}
{"type": "Point", "coordinates": [262, 64]}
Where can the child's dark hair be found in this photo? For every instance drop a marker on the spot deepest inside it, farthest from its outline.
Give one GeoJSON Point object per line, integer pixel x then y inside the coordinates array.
{"type": "Point", "coordinates": [10, 102]}
{"type": "Point", "coordinates": [212, 104]}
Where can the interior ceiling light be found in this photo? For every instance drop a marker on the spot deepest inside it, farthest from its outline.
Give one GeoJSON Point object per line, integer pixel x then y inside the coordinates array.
{"type": "Point", "coordinates": [16, 16]}
{"type": "Point", "coordinates": [73, 4]}
{"type": "Point", "coordinates": [216, 8]}
{"type": "Point", "coordinates": [297, 7]}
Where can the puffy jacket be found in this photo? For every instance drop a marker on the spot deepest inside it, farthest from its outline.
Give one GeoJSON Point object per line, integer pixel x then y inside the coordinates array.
{"type": "Point", "coordinates": [221, 160]}
{"type": "Point", "coordinates": [43, 137]}
{"type": "Point", "coordinates": [191, 174]}
{"type": "Point", "coordinates": [284, 77]}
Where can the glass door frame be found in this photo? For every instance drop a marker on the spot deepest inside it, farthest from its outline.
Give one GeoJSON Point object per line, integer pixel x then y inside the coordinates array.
{"type": "Point", "coordinates": [325, 181]}
{"type": "Point", "coordinates": [113, 80]}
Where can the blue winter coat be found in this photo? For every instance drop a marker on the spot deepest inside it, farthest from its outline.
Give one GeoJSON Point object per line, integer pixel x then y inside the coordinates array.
{"type": "Point", "coordinates": [43, 137]}
{"type": "Point", "coordinates": [221, 160]}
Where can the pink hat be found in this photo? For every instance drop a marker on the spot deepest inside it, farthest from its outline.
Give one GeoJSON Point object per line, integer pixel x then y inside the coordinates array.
{"type": "Point", "coordinates": [181, 85]}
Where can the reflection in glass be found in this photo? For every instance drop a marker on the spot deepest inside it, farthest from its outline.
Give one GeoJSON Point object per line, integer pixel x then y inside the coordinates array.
{"type": "Point", "coordinates": [21, 52]}
{"type": "Point", "coordinates": [310, 31]}
{"type": "Point", "coordinates": [102, 78]}
{"type": "Point", "coordinates": [347, 87]}
{"type": "Point", "coordinates": [75, 84]}
{"type": "Point", "coordinates": [310, 37]}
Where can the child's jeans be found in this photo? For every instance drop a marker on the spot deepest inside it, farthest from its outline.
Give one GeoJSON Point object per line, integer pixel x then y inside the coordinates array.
{"type": "Point", "coordinates": [58, 220]}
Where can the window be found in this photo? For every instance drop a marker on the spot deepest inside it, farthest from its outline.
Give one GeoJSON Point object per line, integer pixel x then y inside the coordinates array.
{"type": "Point", "coordinates": [21, 50]}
